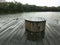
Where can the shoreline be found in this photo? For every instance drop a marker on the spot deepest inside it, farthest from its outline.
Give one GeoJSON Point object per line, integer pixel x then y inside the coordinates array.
{"type": "Point", "coordinates": [26, 12]}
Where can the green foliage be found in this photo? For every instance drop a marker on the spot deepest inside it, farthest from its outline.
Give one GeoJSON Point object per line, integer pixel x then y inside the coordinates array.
{"type": "Point", "coordinates": [10, 7]}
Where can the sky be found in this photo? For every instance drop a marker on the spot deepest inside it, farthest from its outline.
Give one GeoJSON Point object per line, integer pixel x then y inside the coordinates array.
{"type": "Point", "coordinates": [39, 2]}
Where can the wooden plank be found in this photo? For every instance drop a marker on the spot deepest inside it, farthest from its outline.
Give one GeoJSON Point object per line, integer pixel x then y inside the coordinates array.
{"type": "Point", "coordinates": [52, 37]}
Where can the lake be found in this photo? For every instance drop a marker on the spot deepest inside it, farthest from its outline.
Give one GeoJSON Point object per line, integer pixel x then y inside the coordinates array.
{"type": "Point", "coordinates": [51, 17]}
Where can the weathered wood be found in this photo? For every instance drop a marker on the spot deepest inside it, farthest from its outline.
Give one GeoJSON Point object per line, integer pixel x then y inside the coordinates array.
{"type": "Point", "coordinates": [18, 37]}
{"type": "Point", "coordinates": [35, 28]}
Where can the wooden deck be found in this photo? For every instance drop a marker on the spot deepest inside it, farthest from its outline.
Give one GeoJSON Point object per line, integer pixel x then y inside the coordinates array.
{"type": "Point", "coordinates": [13, 33]}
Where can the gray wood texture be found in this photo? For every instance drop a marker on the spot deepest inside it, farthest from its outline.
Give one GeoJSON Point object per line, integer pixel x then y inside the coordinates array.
{"type": "Point", "coordinates": [13, 33]}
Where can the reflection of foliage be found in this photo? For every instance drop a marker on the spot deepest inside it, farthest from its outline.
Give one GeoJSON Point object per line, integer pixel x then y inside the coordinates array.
{"type": "Point", "coordinates": [10, 7]}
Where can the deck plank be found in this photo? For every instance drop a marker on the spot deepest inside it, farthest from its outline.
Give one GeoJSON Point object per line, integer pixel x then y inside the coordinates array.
{"type": "Point", "coordinates": [17, 35]}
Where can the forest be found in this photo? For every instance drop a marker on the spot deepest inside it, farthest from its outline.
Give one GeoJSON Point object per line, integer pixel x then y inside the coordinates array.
{"type": "Point", "coordinates": [17, 7]}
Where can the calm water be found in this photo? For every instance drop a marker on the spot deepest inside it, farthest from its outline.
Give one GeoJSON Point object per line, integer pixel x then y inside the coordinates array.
{"type": "Point", "coordinates": [51, 17]}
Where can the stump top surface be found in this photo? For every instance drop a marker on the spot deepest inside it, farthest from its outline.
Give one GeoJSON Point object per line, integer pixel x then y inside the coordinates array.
{"type": "Point", "coordinates": [37, 19]}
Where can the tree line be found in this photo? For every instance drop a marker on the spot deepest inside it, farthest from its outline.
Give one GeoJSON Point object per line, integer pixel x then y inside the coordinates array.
{"type": "Point", "coordinates": [15, 7]}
